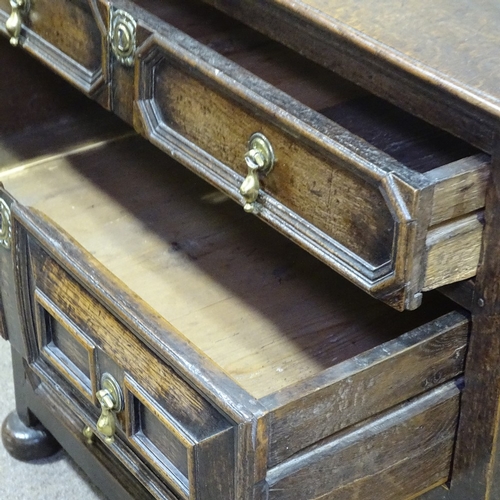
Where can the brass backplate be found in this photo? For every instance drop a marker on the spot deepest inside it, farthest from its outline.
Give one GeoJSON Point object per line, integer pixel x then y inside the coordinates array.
{"type": "Point", "coordinates": [122, 36]}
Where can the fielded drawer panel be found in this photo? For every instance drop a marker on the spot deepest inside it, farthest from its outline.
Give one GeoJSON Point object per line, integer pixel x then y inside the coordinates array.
{"type": "Point", "coordinates": [386, 200]}
{"type": "Point", "coordinates": [68, 36]}
{"type": "Point", "coordinates": [234, 350]}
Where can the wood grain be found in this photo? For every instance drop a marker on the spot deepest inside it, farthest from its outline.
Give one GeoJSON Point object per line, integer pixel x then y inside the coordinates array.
{"type": "Point", "coordinates": [449, 78]}
{"type": "Point", "coordinates": [460, 187]}
{"type": "Point", "coordinates": [371, 457]}
{"type": "Point", "coordinates": [476, 465]}
{"type": "Point", "coordinates": [366, 385]}
{"type": "Point", "coordinates": [69, 26]}
{"type": "Point", "coordinates": [208, 260]}
{"type": "Point", "coordinates": [194, 419]}
{"type": "Point", "coordinates": [342, 205]}
{"type": "Point", "coordinates": [453, 250]}
{"type": "Point", "coordinates": [199, 100]}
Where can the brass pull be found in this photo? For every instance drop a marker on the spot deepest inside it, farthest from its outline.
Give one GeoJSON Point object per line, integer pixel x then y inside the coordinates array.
{"type": "Point", "coordinates": [110, 398]}
{"type": "Point", "coordinates": [122, 36]}
{"type": "Point", "coordinates": [259, 159]}
{"type": "Point", "coordinates": [13, 24]}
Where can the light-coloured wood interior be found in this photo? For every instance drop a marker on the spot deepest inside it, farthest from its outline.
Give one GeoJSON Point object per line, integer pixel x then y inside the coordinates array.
{"type": "Point", "coordinates": [268, 313]}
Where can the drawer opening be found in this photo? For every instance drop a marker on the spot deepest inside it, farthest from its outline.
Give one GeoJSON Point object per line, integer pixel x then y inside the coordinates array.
{"type": "Point", "coordinates": [43, 115]}
{"type": "Point", "coordinates": [266, 312]}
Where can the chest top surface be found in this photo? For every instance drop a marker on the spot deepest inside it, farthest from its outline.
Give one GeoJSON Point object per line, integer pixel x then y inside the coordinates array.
{"type": "Point", "coordinates": [454, 40]}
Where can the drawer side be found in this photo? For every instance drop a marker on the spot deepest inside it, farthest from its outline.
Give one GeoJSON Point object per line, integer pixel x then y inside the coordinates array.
{"type": "Point", "coordinates": [366, 385]}
{"type": "Point", "coordinates": [379, 458]}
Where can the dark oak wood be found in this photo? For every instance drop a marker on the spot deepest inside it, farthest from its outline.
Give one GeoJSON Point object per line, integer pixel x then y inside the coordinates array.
{"type": "Point", "coordinates": [70, 38]}
{"type": "Point", "coordinates": [181, 406]}
{"type": "Point", "coordinates": [201, 100]}
{"type": "Point", "coordinates": [352, 391]}
{"type": "Point", "coordinates": [475, 471]}
{"type": "Point", "coordinates": [35, 398]}
{"type": "Point", "coordinates": [372, 459]}
{"type": "Point", "coordinates": [355, 180]}
{"type": "Point", "coordinates": [438, 63]}
{"type": "Point", "coordinates": [27, 443]}
{"type": "Point", "coordinates": [246, 368]}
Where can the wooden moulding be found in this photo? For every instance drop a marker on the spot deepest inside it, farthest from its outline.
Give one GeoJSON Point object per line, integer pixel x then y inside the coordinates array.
{"type": "Point", "coordinates": [136, 354]}
{"type": "Point", "coordinates": [256, 340]}
{"type": "Point", "coordinates": [78, 53]}
{"type": "Point", "coordinates": [355, 203]}
{"type": "Point", "coordinates": [445, 79]}
{"type": "Point", "coordinates": [352, 204]}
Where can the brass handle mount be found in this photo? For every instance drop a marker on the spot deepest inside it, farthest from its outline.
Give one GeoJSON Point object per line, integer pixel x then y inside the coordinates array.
{"type": "Point", "coordinates": [122, 36]}
{"type": "Point", "coordinates": [110, 398]}
{"type": "Point", "coordinates": [15, 20]}
{"type": "Point", "coordinates": [259, 159]}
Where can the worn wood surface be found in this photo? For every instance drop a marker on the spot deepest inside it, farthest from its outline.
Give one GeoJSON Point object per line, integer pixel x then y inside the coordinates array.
{"type": "Point", "coordinates": [128, 212]}
{"type": "Point", "coordinates": [373, 459]}
{"type": "Point", "coordinates": [208, 260]}
{"type": "Point", "coordinates": [475, 471]}
{"type": "Point", "coordinates": [439, 63]}
{"type": "Point", "coordinates": [207, 110]}
{"type": "Point", "coordinates": [365, 385]}
{"type": "Point", "coordinates": [76, 52]}
{"type": "Point", "coordinates": [31, 110]}
{"type": "Point", "coordinates": [151, 330]}
{"type": "Point", "coordinates": [44, 401]}
{"type": "Point", "coordinates": [191, 418]}
{"type": "Point", "coordinates": [459, 187]}
{"type": "Point", "coordinates": [453, 250]}
{"type": "Point", "coordinates": [337, 148]}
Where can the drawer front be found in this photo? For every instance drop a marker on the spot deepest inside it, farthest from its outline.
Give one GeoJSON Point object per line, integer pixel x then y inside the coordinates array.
{"type": "Point", "coordinates": [181, 436]}
{"type": "Point", "coordinates": [335, 202]}
{"type": "Point", "coordinates": [396, 456]}
{"type": "Point", "coordinates": [351, 205]}
{"type": "Point", "coordinates": [347, 202]}
{"type": "Point", "coordinates": [67, 35]}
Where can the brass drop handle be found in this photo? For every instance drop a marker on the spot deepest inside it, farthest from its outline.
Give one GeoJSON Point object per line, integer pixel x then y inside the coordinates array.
{"type": "Point", "coordinates": [13, 24]}
{"type": "Point", "coordinates": [259, 159]}
{"type": "Point", "coordinates": [106, 424]}
{"type": "Point", "coordinates": [111, 400]}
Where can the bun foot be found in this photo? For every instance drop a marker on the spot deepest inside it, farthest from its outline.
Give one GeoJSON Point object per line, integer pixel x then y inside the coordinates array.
{"type": "Point", "coordinates": [27, 443]}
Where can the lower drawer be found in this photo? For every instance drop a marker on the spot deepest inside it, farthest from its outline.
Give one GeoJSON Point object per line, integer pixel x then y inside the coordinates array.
{"type": "Point", "coordinates": [247, 369]}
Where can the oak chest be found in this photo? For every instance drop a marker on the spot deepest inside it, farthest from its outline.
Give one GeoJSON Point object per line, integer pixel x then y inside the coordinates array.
{"type": "Point", "coordinates": [376, 194]}
{"type": "Point", "coordinates": [176, 345]}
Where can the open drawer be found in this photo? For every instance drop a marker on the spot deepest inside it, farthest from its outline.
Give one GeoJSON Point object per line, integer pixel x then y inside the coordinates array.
{"type": "Point", "coordinates": [40, 117]}
{"type": "Point", "coordinates": [246, 367]}
{"type": "Point", "coordinates": [386, 200]}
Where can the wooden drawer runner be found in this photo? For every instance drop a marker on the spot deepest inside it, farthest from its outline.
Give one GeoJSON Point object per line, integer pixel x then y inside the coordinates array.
{"type": "Point", "coordinates": [386, 200]}
{"type": "Point", "coordinates": [236, 351]}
